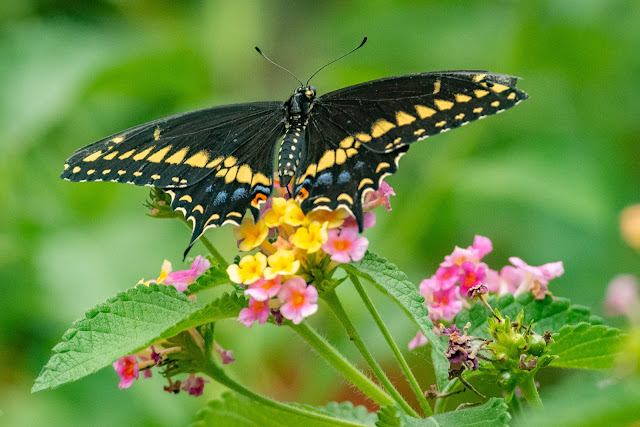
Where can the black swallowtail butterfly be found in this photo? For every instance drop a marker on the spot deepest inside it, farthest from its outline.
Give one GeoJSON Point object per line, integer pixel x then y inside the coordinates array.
{"type": "Point", "coordinates": [217, 162]}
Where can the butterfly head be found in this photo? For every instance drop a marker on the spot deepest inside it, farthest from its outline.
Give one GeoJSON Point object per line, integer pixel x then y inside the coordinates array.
{"type": "Point", "coordinates": [309, 92]}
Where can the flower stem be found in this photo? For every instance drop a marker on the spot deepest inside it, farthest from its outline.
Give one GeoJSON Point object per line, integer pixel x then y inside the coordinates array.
{"type": "Point", "coordinates": [413, 382]}
{"type": "Point", "coordinates": [212, 249]}
{"type": "Point", "coordinates": [450, 389]}
{"type": "Point", "coordinates": [530, 392]}
{"type": "Point", "coordinates": [338, 361]}
{"type": "Point", "coordinates": [220, 376]}
{"type": "Point", "coordinates": [332, 300]}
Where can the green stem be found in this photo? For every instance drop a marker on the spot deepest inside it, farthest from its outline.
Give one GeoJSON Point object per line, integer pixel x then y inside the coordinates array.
{"type": "Point", "coordinates": [394, 347]}
{"type": "Point", "coordinates": [220, 376]}
{"type": "Point", "coordinates": [338, 361]}
{"type": "Point", "coordinates": [530, 392]}
{"type": "Point", "coordinates": [212, 249]}
{"type": "Point", "coordinates": [332, 300]}
{"type": "Point", "coordinates": [439, 407]}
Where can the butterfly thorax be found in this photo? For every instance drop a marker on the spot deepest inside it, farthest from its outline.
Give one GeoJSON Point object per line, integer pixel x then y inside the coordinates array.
{"type": "Point", "coordinates": [295, 139]}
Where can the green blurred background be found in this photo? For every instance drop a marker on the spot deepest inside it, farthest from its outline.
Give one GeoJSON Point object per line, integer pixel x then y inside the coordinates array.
{"type": "Point", "coordinates": [545, 181]}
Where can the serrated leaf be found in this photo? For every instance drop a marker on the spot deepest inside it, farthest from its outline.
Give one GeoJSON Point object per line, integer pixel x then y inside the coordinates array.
{"type": "Point", "coordinates": [493, 413]}
{"type": "Point", "coordinates": [549, 314]}
{"type": "Point", "coordinates": [234, 410]}
{"type": "Point", "coordinates": [212, 278]}
{"type": "Point", "coordinates": [585, 346]}
{"type": "Point", "coordinates": [396, 284]}
{"type": "Point", "coordinates": [389, 416]}
{"type": "Point", "coordinates": [346, 411]}
{"type": "Point", "coordinates": [130, 321]}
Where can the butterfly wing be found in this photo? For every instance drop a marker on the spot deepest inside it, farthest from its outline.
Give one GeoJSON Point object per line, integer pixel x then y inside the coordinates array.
{"type": "Point", "coordinates": [357, 134]}
{"type": "Point", "coordinates": [215, 163]}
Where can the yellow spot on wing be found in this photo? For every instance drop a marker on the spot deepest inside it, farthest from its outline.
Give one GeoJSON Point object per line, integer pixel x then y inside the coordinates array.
{"type": "Point", "coordinates": [440, 124]}
{"type": "Point", "coordinates": [403, 118]}
{"type": "Point", "coordinates": [106, 171]}
{"type": "Point", "coordinates": [460, 116]}
{"type": "Point", "coordinates": [364, 182]}
{"type": "Point", "coordinates": [381, 166]}
{"type": "Point", "coordinates": [347, 142]}
{"type": "Point", "coordinates": [185, 198]}
{"type": "Point", "coordinates": [141, 155]}
{"type": "Point", "coordinates": [351, 152]}
{"type": "Point", "coordinates": [198, 208]}
{"type": "Point", "coordinates": [221, 172]}
{"type": "Point", "coordinates": [92, 157]}
{"type": "Point", "coordinates": [380, 127]}
{"type": "Point", "coordinates": [244, 174]}
{"type": "Point", "coordinates": [177, 157]}
{"type": "Point", "coordinates": [122, 172]}
{"type": "Point", "coordinates": [436, 87]}
{"type": "Point", "coordinates": [76, 169]}
{"type": "Point", "coordinates": [238, 214]}
{"type": "Point", "coordinates": [341, 156]}
{"type": "Point", "coordinates": [512, 95]}
{"type": "Point", "coordinates": [462, 97]}
{"type": "Point", "coordinates": [313, 168]}
{"type": "Point", "coordinates": [419, 132]}
{"type": "Point", "coordinates": [327, 160]}
{"type": "Point", "coordinates": [118, 139]}
{"type": "Point", "coordinates": [231, 175]}
{"type": "Point", "coordinates": [477, 110]}
{"type": "Point", "coordinates": [495, 103]}
{"type": "Point", "coordinates": [498, 88]}
{"type": "Point", "coordinates": [137, 174]}
{"type": "Point", "coordinates": [91, 171]}
{"type": "Point", "coordinates": [479, 77]}
{"type": "Point", "coordinates": [322, 200]}
{"type": "Point", "coordinates": [155, 176]}
{"type": "Point", "coordinates": [198, 160]}
{"type": "Point", "coordinates": [261, 179]}
{"type": "Point", "coordinates": [175, 179]}
{"type": "Point", "coordinates": [424, 112]}
{"type": "Point", "coordinates": [110, 156]}
{"type": "Point", "coordinates": [364, 137]}
{"type": "Point", "coordinates": [159, 155]}
{"type": "Point", "coordinates": [127, 154]}
{"type": "Point", "coordinates": [215, 162]}
{"type": "Point", "coordinates": [442, 104]}
{"type": "Point", "coordinates": [347, 198]}
{"type": "Point", "coordinates": [66, 166]}
{"type": "Point", "coordinates": [230, 161]}
{"type": "Point", "coordinates": [480, 93]}
{"type": "Point", "coordinates": [156, 134]}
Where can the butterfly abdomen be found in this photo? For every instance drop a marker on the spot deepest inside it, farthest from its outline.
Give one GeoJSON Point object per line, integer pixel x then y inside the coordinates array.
{"type": "Point", "coordinates": [291, 151]}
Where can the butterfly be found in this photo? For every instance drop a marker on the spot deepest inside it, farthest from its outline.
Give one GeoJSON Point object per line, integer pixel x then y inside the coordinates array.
{"type": "Point", "coordinates": [329, 151]}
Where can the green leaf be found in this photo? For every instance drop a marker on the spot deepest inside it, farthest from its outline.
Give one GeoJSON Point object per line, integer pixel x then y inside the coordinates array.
{"type": "Point", "coordinates": [587, 402]}
{"type": "Point", "coordinates": [549, 314]}
{"type": "Point", "coordinates": [586, 347]}
{"type": "Point", "coordinates": [493, 413]}
{"type": "Point", "coordinates": [235, 410]}
{"type": "Point", "coordinates": [396, 284]}
{"type": "Point", "coordinates": [130, 321]}
{"type": "Point", "coordinates": [213, 277]}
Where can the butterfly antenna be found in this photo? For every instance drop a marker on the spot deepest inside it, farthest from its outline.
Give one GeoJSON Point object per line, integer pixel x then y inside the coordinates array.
{"type": "Point", "coordinates": [277, 65]}
{"type": "Point", "coordinates": [337, 59]}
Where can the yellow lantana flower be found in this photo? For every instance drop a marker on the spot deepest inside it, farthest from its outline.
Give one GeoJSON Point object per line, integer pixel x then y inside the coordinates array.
{"type": "Point", "coordinates": [249, 269]}
{"type": "Point", "coordinates": [282, 262]}
{"type": "Point", "coordinates": [294, 215]}
{"type": "Point", "coordinates": [333, 219]}
{"type": "Point", "coordinates": [250, 234]}
{"type": "Point", "coordinates": [275, 215]}
{"type": "Point", "coordinates": [312, 237]}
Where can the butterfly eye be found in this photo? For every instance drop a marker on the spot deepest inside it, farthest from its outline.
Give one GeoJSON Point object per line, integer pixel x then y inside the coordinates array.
{"type": "Point", "coordinates": [310, 92]}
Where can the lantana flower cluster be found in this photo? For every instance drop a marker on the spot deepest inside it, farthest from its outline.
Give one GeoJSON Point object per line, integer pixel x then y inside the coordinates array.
{"type": "Point", "coordinates": [294, 251]}
{"type": "Point", "coordinates": [128, 368]}
{"type": "Point", "coordinates": [451, 288]}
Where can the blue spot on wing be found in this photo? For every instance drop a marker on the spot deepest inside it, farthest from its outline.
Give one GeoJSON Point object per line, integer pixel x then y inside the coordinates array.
{"type": "Point", "coordinates": [324, 179]}
{"type": "Point", "coordinates": [221, 197]}
{"type": "Point", "coordinates": [238, 194]}
{"type": "Point", "coordinates": [344, 177]}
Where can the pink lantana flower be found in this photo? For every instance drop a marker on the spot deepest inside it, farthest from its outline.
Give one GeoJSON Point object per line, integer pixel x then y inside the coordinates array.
{"type": "Point", "coordinates": [481, 246]}
{"type": "Point", "coordinates": [471, 275]}
{"type": "Point", "coordinates": [257, 310]}
{"type": "Point", "coordinates": [379, 197]}
{"type": "Point", "coordinates": [263, 289]}
{"type": "Point", "coordinates": [127, 370]}
{"type": "Point", "coordinates": [194, 385]}
{"type": "Point", "coordinates": [622, 296]}
{"type": "Point", "coordinates": [346, 245]}
{"type": "Point", "coordinates": [225, 355]}
{"type": "Point", "coordinates": [536, 279]}
{"type": "Point", "coordinates": [183, 278]}
{"type": "Point", "coordinates": [448, 275]}
{"type": "Point", "coordinates": [299, 299]}
{"type": "Point", "coordinates": [418, 341]}
{"type": "Point", "coordinates": [442, 299]}
{"type": "Point", "coordinates": [368, 221]}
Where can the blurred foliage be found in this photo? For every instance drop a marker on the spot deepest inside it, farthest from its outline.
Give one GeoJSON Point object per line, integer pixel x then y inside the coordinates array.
{"type": "Point", "coordinates": [545, 181]}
